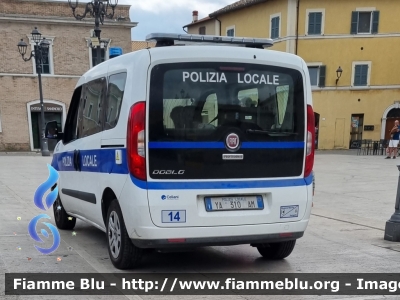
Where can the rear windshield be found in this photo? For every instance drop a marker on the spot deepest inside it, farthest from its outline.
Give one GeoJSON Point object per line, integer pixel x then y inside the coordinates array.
{"type": "Point", "coordinates": [194, 106]}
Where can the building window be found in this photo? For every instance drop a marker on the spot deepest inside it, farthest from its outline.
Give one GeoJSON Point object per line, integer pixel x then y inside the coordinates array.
{"type": "Point", "coordinates": [361, 74]}
{"type": "Point", "coordinates": [230, 31]}
{"type": "Point", "coordinates": [94, 56]}
{"type": "Point", "coordinates": [47, 66]}
{"type": "Point", "coordinates": [104, 50]}
{"type": "Point", "coordinates": [317, 75]}
{"type": "Point", "coordinates": [202, 30]}
{"type": "Point", "coordinates": [275, 26]}
{"type": "Point", "coordinates": [315, 23]}
{"type": "Point", "coordinates": [364, 22]}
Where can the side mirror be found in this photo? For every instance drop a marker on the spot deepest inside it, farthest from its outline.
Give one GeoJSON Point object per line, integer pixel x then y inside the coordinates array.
{"type": "Point", "coordinates": [51, 131]}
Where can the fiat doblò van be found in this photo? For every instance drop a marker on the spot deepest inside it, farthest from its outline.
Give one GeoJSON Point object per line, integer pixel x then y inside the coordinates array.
{"type": "Point", "coordinates": [200, 141]}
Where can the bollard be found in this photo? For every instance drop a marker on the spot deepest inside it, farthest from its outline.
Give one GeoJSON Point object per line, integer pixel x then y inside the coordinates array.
{"type": "Point", "coordinates": [392, 229]}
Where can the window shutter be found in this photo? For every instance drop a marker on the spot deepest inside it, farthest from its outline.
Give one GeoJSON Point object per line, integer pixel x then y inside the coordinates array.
{"type": "Point", "coordinates": [357, 75]}
{"type": "Point", "coordinates": [277, 27]}
{"type": "Point", "coordinates": [318, 23]}
{"type": "Point", "coordinates": [375, 21]}
{"type": "Point", "coordinates": [273, 27]}
{"type": "Point", "coordinates": [311, 23]}
{"type": "Point", "coordinates": [364, 75]}
{"type": "Point", "coordinates": [354, 22]}
{"type": "Point", "coordinates": [322, 75]}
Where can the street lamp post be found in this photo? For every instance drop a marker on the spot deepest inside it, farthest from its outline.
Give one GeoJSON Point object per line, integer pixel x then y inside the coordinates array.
{"type": "Point", "coordinates": [392, 228]}
{"type": "Point", "coordinates": [99, 10]}
{"type": "Point", "coordinates": [40, 53]}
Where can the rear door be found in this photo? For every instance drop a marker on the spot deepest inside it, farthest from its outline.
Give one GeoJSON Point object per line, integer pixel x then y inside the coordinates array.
{"type": "Point", "coordinates": [227, 130]}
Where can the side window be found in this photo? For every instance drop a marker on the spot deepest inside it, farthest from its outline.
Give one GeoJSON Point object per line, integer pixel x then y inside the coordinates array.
{"type": "Point", "coordinates": [115, 94]}
{"type": "Point", "coordinates": [282, 97]}
{"type": "Point", "coordinates": [210, 110]}
{"type": "Point", "coordinates": [71, 125]}
{"type": "Point", "coordinates": [92, 108]}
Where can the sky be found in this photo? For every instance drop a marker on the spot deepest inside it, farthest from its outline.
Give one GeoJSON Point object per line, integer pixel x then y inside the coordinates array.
{"type": "Point", "coordinates": [167, 15]}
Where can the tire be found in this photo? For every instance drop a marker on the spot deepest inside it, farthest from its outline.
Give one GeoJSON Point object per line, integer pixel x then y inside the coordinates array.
{"type": "Point", "coordinates": [62, 219]}
{"type": "Point", "coordinates": [276, 250]}
{"type": "Point", "coordinates": [123, 254]}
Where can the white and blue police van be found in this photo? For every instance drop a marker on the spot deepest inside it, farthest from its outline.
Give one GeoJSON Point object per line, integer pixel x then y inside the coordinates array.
{"type": "Point", "coordinates": [200, 141]}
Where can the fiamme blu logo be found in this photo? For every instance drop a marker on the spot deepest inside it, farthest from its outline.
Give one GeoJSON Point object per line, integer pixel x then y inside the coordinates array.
{"type": "Point", "coordinates": [45, 204]}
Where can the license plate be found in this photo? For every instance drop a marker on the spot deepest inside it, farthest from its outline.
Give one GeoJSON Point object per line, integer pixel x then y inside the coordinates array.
{"type": "Point", "coordinates": [234, 203]}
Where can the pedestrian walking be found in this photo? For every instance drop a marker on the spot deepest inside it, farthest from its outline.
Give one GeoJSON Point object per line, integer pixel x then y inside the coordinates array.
{"type": "Point", "coordinates": [394, 140]}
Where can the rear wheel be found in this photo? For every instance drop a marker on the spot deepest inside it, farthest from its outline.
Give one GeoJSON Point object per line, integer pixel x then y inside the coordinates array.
{"type": "Point", "coordinates": [276, 250]}
{"type": "Point", "coordinates": [123, 254]}
{"type": "Point", "coordinates": [63, 220]}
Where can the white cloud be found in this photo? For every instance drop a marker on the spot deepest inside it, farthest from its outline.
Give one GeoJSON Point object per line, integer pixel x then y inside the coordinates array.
{"type": "Point", "coordinates": [205, 7]}
{"type": "Point", "coordinates": [167, 16]}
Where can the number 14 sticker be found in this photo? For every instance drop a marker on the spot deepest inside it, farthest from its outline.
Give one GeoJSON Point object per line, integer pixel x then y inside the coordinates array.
{"type": "Point", "coordinates": [173, 216]}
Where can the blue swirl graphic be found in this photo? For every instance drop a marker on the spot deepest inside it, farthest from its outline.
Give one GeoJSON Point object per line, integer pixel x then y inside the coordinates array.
{"type": "Point", "coordinates": [41, 190]}
{"type": "Point", "coordinates": [34, 235]}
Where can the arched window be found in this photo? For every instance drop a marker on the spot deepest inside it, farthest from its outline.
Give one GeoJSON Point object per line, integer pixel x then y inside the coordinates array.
{"type": "Point", "coordinates": [394, 113]}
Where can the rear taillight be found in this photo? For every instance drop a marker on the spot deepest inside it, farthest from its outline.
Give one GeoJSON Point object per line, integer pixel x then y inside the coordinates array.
{"type": "Point", "coordinates": [310, 147]}
{"type": "Point", "coordinates": [136, 151]}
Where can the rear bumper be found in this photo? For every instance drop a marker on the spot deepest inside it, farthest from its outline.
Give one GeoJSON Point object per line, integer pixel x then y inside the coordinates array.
{"type": "Point", "coordinates": [217, 241]}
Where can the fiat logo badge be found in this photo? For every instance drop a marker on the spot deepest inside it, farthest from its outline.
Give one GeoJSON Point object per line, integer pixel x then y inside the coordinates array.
{"type": "Point", "coordinates": [232, 141]}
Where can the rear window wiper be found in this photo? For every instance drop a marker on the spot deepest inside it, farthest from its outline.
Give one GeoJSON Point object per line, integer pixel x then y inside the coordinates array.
{"type": "Point", "coordinates": [270, 132]}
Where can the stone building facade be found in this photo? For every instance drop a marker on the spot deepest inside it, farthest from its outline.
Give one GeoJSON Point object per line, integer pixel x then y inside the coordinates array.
{"type": "Point", "coordinates": [70, 56]}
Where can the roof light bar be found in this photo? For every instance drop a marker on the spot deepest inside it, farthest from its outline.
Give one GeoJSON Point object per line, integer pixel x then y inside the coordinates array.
{"type": "Point", "coordinates": [171, 39]}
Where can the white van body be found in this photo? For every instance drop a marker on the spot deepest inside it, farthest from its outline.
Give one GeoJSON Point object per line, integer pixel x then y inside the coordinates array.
{"type": "Point", "coordinates": [188, 169]}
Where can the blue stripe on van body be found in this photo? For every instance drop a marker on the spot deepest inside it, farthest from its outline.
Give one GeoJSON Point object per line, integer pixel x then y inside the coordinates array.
{"type": "Point", "coordinates": [105, 163]}
{"type": "Point", "coordinates": [221, 145]}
